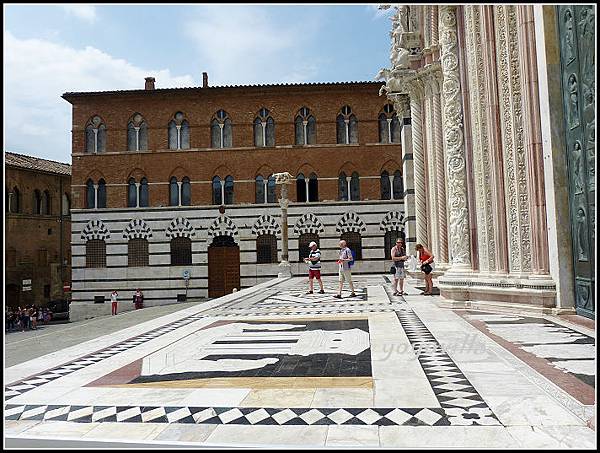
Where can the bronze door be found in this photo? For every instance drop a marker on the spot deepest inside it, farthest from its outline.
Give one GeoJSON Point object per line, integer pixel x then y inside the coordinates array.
{"type": "Point", "coordinates": [577, 56]}
{"type": "Point", "coordinates": [223, 266]}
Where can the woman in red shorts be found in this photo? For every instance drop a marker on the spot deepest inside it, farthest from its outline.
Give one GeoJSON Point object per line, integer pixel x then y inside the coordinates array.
{"type": "Point", "coordinates": [314, 268]}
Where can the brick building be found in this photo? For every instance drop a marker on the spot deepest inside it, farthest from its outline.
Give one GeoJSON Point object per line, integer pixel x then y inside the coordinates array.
{"type": "Point", "coordinates": [152, 167]}
{"type": "Point", "coordinates": [37, 229]}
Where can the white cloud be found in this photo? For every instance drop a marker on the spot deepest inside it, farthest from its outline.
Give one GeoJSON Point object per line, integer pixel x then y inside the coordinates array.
{"type": "Point", "coordinates": [244, 45]}
{"type": "Point", "coordinates": [85, 12]}
{"type": "Point", "coordinates": [36, 74]}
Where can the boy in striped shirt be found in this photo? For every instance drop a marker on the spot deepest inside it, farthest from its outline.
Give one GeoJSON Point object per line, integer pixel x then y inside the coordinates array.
{"type": "Point", "coordinates": [314, 268]}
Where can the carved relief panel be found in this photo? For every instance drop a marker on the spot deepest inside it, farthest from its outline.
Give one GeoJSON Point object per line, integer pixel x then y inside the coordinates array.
{"type": "Point", "coordinates": [576, 29]}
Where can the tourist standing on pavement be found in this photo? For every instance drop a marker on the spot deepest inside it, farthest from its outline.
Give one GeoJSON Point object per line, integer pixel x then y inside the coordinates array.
{"type": "Point", "coordinates": [113, 298]}
{"type": "Point", "coordinates": [314, 267]}
{"type": "Point", "coordinates": [426, 258]}
{"type": "Point", "coordinates": [345, 273]}
{"type": "Point", "coordinates": [138, 299]}
{"type": "Point", "coordinates": [398, 254]}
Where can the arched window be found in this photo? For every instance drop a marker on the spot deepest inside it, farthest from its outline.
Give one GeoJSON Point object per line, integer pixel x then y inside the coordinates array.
{"type": "Point", "coordinates": [271, 196]}
{"type": "Point", "coordinates": [355, 187]}
{"type": "Point", "coordinates": [46, 203]}
{"type": "Point", "coordinates": [347, 126]}
{"type": "Point", "coordinates": [343, 187]}
{"type": "Point", "coordinates": [398, 186]}
{"type": "Point", "coordinates": [303, 241]}
{"type": "Point", "coordinates": [90, 194]}
{"type": "Point", "coordinates": [217, 192]}
{"type": "Point", "coordinates": [260, 189]}
{"type": "Point", "coordinates": [95, 135]}
{"type": "Point", "coordinates": [390, 241]}
{"type": "Point", "coordinates": [266, 249]}
{"type": "Point", "coordinates": [66, 204]}
{"type": "Point", "coordinates": [313, 188]}
{"type": "Point", "coordinates": [264, 129]}
{"type": "Point", "coordinates": [221, 131]}
{"type": "Point", "coordinates": [15, 200]}
{"type": "Point", "coordinates": [101, 194]}
{"type": "Point", "coordinates": [173, 192]}
{"type": "Point", "coordinates": [305, 127]}
{"type": "Point", "coordinates": [186, 192]}
{"type": "Point", "coordinates": [37, 202]}
{"type": "Point", "coordinates": [354, 243]}
{"type": "Point", "coordinates": [144, 195]}
{"type": "Point", "coordinates": [137, 252]}
{"type": "Point", "coordinates": [181, 251]}
{"type": "Point", "coordinates": [389, 125]}
{"type": "Point", "coordinates": [132, 195]}
{"type": "Point", "coordinates": [179, 132]}
{"type": "Point", "coordinates": [137, 133]}
{"type": "Point", "coordinates": [229, 190]}
{"type": "Point", "coordinates": [95, 253]}
{"type": "Point", "coordinates": [386, 186]}
{"type": "Point", "coordinates": [300, 188]}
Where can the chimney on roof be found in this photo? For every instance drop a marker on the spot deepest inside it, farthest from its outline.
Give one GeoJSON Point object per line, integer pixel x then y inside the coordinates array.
{"type": "Point", "coordinates": [149, 83]}
{"type": "Point", "coordinates": [205, 80]}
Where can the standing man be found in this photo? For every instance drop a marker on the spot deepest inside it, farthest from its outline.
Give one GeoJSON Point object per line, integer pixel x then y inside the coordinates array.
{"type": "Point", "coordinates": [345, 273]}
{"type": "Point", "coordinates": [398, 255]}
{"type": "Point", "coordinates": [138, 299]}
{"type": "Point", "coordinates": [314, 268]}
{"type": "Point", "coordinates": [113, 299]}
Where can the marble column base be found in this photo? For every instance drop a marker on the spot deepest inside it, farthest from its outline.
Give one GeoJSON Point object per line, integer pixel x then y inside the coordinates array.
{"type": "Point", "coordinates": [505, 289]}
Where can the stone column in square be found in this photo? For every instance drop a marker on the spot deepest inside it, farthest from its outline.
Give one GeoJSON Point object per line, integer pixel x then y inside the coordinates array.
{"type": "Point", "coordinates": [452, 118]}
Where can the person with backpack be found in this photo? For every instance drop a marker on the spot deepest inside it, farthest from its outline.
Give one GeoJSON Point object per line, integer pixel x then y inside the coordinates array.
{"type": "Point", "coordinates": [314, 267]}
{"type": "Point", "coordinates": [345, 261]}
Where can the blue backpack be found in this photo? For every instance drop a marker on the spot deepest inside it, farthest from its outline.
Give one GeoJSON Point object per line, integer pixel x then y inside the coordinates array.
{"type": "Point", "coordinates": [351, 262]}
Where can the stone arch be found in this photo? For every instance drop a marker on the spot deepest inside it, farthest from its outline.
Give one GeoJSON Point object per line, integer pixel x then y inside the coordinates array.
{"type": "Point", "coordinates": [348, 168]}
{"type": "Point", "coordinates": [392, 221]}
{"type": "Point", "coordinates": [266, 224]}
{"type": "Point", "coordinates": [137, 174]}
{"type": "Point", "coordinates": [222, 171]}
{"type": "Point", "coordinates": [265, 171]}
{"type": "Point", "coordinates": [95, 229]}
{"type": "Point", "coordinates": [308, 223]}
{"type": "Point", "coordinates": [95, 175]}
{"type": "Point", "coordinates": [179, 172]}
{"type": "Point", "coordinates": [180, 227]}
{"type": "Point", "coordinates": [222, 226]}
{"type": "Point", "coordinates": [390, 166]}
{"type": "Point", "coordinates": [350, 222]}
{"type": "Point", "coordinates": [306, 169]}
{"type": "Point", "coordinates": [137, 229]}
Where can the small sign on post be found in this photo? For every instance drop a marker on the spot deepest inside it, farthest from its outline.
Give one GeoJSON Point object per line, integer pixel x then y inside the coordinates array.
{"type": "Point", "coordinates": [186, 277]}
{"type": "Point", "coordinates": [27, 284]}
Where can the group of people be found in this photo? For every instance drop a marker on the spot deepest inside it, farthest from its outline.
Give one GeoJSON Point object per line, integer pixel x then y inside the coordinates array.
{"type": "Point", "coordinates": [25, 318]}
{"type": "Point", "coordinates": [138, 300]}
{"type": "Point", "coordinates": [345, 261]}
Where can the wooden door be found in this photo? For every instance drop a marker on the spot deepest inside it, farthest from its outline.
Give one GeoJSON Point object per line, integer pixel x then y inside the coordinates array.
{"type": "Point", "coordinates": [223, 267]}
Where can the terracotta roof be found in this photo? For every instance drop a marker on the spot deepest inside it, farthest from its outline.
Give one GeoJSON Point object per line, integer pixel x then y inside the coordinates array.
{"type": "Point", "coordinates": [312, 84]}
{"type": "Point", "coordinates": [36, 163]}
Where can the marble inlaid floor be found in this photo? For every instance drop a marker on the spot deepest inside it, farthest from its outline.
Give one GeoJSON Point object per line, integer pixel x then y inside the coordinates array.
{"type": "Point", "coordinates": [274, 366]}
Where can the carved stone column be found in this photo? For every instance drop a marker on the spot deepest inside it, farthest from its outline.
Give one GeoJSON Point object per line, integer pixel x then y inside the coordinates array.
{"type": "Point", "coordinates": [533, 141]}
{"type": "Point", "coordinates": [517, 192]}
{"type": "Point", "coordinates": [416, 93]}
{"type": "Point", "coordinates": [284, 266]}
{"type": "Point", "coordinates": [482, 165]}
{"type": "Point", "coordinates": [440, 171]}
{"type": "Point", "coordinates": [460, 248]}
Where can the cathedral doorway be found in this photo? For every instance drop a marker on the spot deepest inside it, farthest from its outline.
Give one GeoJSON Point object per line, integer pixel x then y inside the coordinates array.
{"type": "Point", "coordinates": [223, 266]}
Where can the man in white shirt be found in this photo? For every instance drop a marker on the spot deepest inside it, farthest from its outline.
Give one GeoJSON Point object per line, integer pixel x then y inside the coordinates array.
{"type": "Point", "coordinates": [113, 299]}
{"type": "Point", "coordinates": [345, 273]}
{"type": "Point", "coordinates": [314, 267]}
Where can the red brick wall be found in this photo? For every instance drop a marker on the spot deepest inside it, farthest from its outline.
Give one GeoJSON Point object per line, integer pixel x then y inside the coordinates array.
{"type": "Point", "coordinates": [243, 161]}
{"type": "Point", "coordinates": [26, 234]}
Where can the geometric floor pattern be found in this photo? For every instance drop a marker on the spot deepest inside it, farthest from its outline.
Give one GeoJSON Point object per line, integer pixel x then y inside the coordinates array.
{"type": "Point", "coordinates": [460, 403]}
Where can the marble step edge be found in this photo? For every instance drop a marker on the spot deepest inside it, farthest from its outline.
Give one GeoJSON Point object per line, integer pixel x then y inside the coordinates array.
{"type": "Point", "coordinates": [504, 307]}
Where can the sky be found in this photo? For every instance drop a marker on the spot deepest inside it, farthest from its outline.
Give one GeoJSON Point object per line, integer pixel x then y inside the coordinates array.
{"type": "Point", "coordinates": [53, 49]}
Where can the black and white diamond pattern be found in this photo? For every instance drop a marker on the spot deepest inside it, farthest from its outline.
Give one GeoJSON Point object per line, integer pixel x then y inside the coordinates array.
{"type": "Point", "coordinates": [231, 415]}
